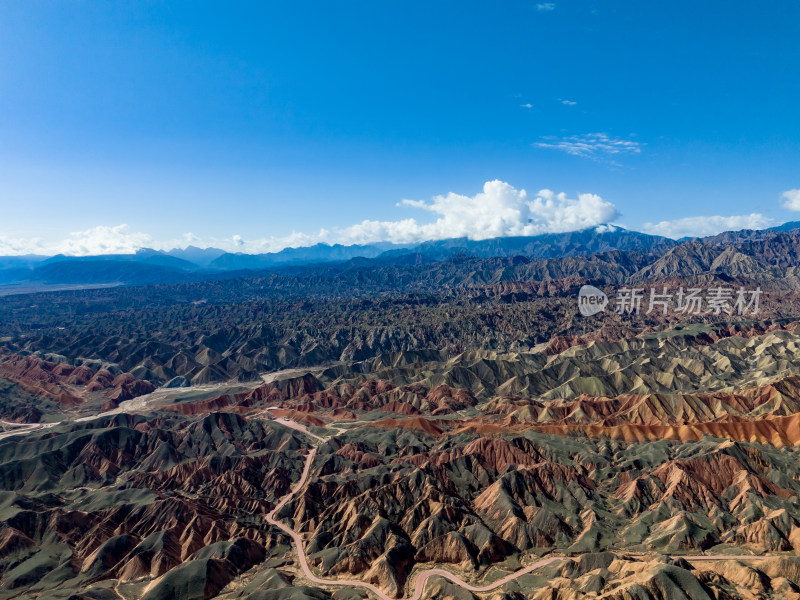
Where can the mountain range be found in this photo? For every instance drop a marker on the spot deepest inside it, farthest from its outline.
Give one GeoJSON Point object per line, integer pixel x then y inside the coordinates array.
{"type": "Point", "coordinates": [148, 266]}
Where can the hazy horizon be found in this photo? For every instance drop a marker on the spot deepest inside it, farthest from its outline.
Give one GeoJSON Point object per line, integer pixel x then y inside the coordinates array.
{"type": "Point", "coordinates": [76, 245]}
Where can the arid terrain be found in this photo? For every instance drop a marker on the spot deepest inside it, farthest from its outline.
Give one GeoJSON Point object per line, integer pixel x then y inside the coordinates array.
{"type": "Point", "coordinates": [442, 423]}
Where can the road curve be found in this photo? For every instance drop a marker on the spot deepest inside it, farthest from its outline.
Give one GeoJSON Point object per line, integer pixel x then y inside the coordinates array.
{"type": "Point", "coordinates": [21, 428]}
{"type": "Point", "coordinates": [296, 426]}
{"type": "Point", "coordinates": [422, 577]}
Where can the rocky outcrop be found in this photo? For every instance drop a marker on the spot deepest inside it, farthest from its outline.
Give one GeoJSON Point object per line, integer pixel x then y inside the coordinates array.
{"type": "Point", "coordinates": [63, 385]}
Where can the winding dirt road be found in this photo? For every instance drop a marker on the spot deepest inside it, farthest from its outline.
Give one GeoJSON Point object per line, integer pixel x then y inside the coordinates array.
{"type": "Point", "coordinates": [12, 428]}
{"type": "Point", "coordinates": [422, 576]}
{"type": "Point", "coordinates": [142, 404]}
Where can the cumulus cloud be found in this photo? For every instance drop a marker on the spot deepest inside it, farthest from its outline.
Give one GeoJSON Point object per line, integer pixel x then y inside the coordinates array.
{"type": "Point", "coordinates": [104, 240]}
{"type": "Point", "coordinates": [568, 102]}
{"type": "Point", "coordinates": [10, 246]}
{"type": "Point", "coordinates": [97, 240]}
{"type": "Point", "coordinates": [546, 6]}
{"type": "Point", "coordinates": [702, 226]}
{"type": "Point", "coordinates": [791, 200]}
{"type": "Point", "coordinates": [498, 210]}
{"type": "Point", "coordinates": [595, 146]}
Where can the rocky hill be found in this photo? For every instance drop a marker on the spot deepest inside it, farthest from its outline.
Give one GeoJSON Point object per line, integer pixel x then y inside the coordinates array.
{"type": "Point", "coordinates": [453, 408]}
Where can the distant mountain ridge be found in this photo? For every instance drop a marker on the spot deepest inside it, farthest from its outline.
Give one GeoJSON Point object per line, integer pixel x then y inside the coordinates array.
{"type": "Point", "coordinates": [548, 245]}
{"type": "Point", "coordinates": [148, 266]}
{"type": "Point", "coordinates": [199, 256]}
{"type": "Point", "coordinates": [304, 255]}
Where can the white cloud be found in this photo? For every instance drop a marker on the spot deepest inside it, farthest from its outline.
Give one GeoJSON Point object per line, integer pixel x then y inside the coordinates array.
{"type": "Point", "coordinates": [596, 146]}
{"type": "Point", "coordinates": [546, 6]}
{"type": "Point", "coordinates": [529, 105]}
{"type": "Point", "coordinates": [606, 228]}
{"type": "Point", "coordinates": [791, 200]}
{"type": "Point", "coordinates": [14, 246]}
{"type": "Point", "coordinates": [702, 226]}
{"type": "Point", "coordinates": [98, 240]}
{"type": "Point", "coordinates": [104, 240]}
{"type": "Point", "coordinates": [498, 210]}
{"type": "Point", "coordinates": [568, 102]}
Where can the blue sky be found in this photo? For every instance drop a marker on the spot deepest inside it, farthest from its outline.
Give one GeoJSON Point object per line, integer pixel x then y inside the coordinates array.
{"type": "Point", "coordinates": [254, 127]}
